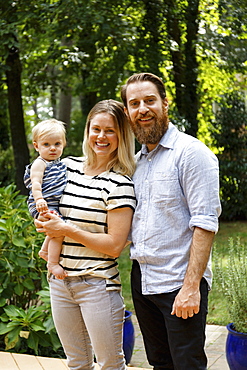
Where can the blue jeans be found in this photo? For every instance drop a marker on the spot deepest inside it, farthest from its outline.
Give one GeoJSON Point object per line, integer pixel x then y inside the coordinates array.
{"type": "Point", "coordinates": [170, 341]}
{"type": "Point", "coordinates": [89, 320]}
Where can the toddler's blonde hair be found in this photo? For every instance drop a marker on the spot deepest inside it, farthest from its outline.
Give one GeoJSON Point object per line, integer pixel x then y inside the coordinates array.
{"type": "Point", "coordinates": [48, 127]}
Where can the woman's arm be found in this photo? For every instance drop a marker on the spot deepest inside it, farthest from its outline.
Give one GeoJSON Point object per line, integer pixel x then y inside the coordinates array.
{"type": "Point", "coordinates": [112, 243]}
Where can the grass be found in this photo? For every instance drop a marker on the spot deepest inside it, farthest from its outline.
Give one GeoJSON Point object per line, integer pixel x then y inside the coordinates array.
{"type": "Point", "coordinates": [125, 268]}
{"type": "Point", "coordinates": [218, 312]}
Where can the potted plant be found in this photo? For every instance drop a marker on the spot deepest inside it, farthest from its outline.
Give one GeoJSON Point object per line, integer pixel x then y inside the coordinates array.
{"type": "Point", "coordinates": [128, 336]}
{"type": "Point", "coordinates": [231, 279]}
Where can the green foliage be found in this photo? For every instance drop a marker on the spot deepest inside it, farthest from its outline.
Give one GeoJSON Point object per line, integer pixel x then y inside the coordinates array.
{"type": "Point", "coordinates": [218, 312]}
{"type": "Point", "coordinates": [124, 263]}
{"type": "Point", "coordinates": [7, 173]}
{"type": "Point", "coordinates": [230, 137]}
{"type": "Point", "coordinates": [230, 278]}
{"type": "Point", "coordinates": [88, 48]}
{"type": "Point", "coordinates": [23, 302]}
{"type": "Point", "coordinates": [30, 329]}
{"type": "Point", "coordinates": [20, 266]}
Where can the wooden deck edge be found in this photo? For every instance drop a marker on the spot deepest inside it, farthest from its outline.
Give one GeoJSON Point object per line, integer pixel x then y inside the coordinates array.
{"type": "Point", "coordinates": [18, 361]}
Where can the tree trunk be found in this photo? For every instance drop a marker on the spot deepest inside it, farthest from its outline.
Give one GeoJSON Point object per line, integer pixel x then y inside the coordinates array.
{"type": "Point", "coordinates": [149, 56]}
{"type": "Point", "coordinates": [65, 97]}
{"type": "Point", "coordinates": [64, 110]}
{"type": "Point", "coordinates": [174, 34]}
{"type": "Point", "coordinates": [17, 128]}
{"type": "Point", "coordinates": [185, 66]}
{"type": "Point", "coordinates": [65, 101]}
{"type": "Point", "coordinates": [4, 129]}
{"type": "Point", "coordinates": [190, 101]}
{"type": "Point", "coordinates": [87, 102]}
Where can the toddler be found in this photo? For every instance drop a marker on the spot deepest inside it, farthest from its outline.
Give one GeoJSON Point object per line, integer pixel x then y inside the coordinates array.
{"type": "Point", "coordinates": [46, 179]}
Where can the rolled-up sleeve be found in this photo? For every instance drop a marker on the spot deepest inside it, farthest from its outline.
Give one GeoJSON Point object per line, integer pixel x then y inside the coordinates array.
{"type": "Point", "coordinates": [200, 177]}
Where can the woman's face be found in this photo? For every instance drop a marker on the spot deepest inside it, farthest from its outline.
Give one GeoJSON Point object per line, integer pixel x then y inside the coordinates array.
{"type": "Point", "coordinates": [103, 138]}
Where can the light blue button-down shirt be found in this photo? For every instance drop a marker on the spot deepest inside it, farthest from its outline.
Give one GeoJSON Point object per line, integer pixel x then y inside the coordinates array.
{"type": "Point", "coordinates": [177, 188]}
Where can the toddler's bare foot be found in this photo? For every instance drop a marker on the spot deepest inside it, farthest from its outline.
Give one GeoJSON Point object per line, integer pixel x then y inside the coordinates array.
{"type": "Point", "coordinates": [43, 254]}
{"type": "Point", "coordinates": [57, 270]}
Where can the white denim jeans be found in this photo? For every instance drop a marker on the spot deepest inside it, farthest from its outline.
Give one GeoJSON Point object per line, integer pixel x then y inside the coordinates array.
{"type": "Point", "coordinates": [89, 320]}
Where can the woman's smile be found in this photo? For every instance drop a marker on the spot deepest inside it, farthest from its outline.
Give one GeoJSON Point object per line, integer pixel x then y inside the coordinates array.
{"type": "Point", "coordinates": [103, 136]}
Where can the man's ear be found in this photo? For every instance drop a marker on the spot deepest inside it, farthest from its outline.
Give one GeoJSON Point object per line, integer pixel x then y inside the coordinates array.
{"type": "Point", "coordinates": [165, 103]}
{"type": "Point", "coordinates": [126, 112]}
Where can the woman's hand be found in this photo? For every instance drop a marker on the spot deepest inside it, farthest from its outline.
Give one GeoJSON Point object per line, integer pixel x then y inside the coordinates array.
{"type": "Point", "coordinates": [50, 224]}
{"type": "Point", "coordinates": [112, 243]}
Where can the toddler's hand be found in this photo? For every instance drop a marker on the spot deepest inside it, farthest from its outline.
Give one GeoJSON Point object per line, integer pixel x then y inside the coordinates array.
{"type": "Point", "coordinates": [41, 205]}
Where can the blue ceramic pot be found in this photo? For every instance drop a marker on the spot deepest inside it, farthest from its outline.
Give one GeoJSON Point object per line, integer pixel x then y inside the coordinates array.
{"type": "Point", "coordinates": [236, 349]}
{"type": "Point", "coordinates": [128, 337]}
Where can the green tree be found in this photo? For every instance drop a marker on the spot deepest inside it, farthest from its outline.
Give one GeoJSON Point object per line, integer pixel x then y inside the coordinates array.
{"type": "Point", "coordinates": [148, 47]}
{"type": "Point", "coordinates": [230, 137]}
{"type": "Point", "coordinates": [76, 52]}
{"type": "Point", "coordinates": [232, 41]}
{"type": "Point", "coordinates": [81, 53]}
{"type": "Point", "coordinates": [10, 48]}
{"type": "Point", "coordinates": [182, 21]}
{"type": "Point", "coordinates": [19, 20]}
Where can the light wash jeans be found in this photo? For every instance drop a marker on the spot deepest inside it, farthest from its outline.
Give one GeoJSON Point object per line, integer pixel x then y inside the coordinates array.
{"type": "Point", "coordinates": [89, 320]}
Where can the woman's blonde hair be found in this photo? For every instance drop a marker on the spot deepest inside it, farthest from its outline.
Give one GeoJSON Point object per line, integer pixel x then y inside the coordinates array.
{"type": "Point", "coordinates": [122, 159]}
{"type": "Point", "coordinates": [48, 127]}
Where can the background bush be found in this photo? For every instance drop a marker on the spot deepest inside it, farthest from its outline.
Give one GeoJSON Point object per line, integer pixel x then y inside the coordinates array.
{"type": "Point", "coordinates": [25, 317]}
{"type": "Point", "coordinates": [231, 279]}
{"type": "Point", "coordinates": [230, 137]}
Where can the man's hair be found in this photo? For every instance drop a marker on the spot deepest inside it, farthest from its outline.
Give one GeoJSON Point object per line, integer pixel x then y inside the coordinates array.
{"type": "Point", "coordinates": [145, 76]}
{"type": "Point", "coordinates": [48, 127]}
{"type": "Point", "coordinates": [122, 159]}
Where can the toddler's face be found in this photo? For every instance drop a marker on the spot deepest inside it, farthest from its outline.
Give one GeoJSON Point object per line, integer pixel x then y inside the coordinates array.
{"type": "Point", "coordinates": [50, 147]}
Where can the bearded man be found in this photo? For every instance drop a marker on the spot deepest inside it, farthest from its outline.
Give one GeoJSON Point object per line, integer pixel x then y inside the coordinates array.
{"type": "Point", "coordinates": [177, 190]}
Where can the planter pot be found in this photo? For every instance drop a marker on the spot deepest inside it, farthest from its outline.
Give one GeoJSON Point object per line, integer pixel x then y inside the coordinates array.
{"type": "Point", "coordinates": [128, 337]}
{"type": "Point", "coordinates": [236, 349]}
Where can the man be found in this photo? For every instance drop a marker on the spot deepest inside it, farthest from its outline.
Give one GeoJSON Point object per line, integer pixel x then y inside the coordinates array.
{"type": "Point", "coordinates": [177, 189]}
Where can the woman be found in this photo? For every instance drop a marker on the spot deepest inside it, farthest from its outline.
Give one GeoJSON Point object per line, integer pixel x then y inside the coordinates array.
{"type": "Point", "coordinates": [97, 206]}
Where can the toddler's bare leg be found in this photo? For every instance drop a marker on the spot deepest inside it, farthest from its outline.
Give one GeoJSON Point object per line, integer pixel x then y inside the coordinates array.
{"type": "Point", "coordinates": [54, 250]}
{"type": "Point", "coordinates": [43, 253]}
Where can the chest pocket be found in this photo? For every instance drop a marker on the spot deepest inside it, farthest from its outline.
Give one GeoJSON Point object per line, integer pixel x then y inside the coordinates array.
{"type": "Point", "coordinates": [165, 189]}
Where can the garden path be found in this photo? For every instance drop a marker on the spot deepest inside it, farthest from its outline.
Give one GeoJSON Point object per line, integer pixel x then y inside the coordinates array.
{"type": "Point", "coordinates": [215, 349]}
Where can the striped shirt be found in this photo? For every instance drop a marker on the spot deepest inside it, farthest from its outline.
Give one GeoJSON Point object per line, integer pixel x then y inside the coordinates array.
{"type": "Point", "coordinates": [85, 203]}
{"type": "Point", "coordinates": [53, 184]}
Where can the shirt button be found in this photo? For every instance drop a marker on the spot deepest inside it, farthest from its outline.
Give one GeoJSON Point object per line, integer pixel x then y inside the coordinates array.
{"type": "Point", "coordinates": [149, 159]}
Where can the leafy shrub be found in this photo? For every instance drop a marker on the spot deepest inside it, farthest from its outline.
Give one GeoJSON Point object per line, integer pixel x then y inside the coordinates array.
{"type": "Point", "coordinates": [230, 278]}
{"type": "Point", "coordinates": [230, 137]}
{"type": "Point", "coordinates": [23, 304]}
{"type": "Point", "coordinates": [7, 174]}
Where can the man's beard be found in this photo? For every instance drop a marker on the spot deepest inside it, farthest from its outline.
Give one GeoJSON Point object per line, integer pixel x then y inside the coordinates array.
{"type": "Point", "coordinates": [152, 134]}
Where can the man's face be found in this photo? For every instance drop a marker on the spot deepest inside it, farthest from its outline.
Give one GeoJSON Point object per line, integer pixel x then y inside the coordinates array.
{"type": "Point", "coordinates": [147, 112]}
